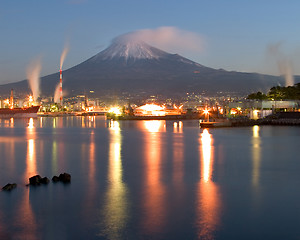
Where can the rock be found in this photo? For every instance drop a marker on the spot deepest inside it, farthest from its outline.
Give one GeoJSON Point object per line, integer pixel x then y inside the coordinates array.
{"type": "Point", "coordinates": [44, 180]}
{"type": "Point", "coordinates": [65, 177]}
{"type": "Point", "coordinates": [55, 179]}
{"type": "Point", "coordinates": [9, 187]}
{"type": "Point", "coordinates": [35, 180]}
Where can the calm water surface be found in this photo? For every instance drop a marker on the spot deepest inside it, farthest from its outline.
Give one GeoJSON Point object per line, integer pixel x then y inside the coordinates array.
{"type": "Point", "coordinates": [149, 180]}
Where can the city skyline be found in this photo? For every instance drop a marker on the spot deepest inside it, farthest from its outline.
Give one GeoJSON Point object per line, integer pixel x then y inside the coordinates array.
{"type": "Point", "coordinates": [237, 36]}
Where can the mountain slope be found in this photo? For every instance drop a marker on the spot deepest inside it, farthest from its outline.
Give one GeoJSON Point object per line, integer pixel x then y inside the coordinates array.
{"type": "Point", "coordinates": [134, 66]}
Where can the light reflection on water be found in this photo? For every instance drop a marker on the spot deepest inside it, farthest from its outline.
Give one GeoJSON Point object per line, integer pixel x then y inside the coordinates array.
{"type": "Point", "coordinates": [209, 199]}
{"type": "Point", "coordinates": [154, 200]}
{"type": "Point", "coordinates": [25, 217]}
{"type": "Point", "coordinates": [54, 156]}
{"type": "Point", "coordinates": [178, 127]}
{"type": "Point", "coordinates": [256, 155]}
{"type": "Point", "coordinates": [178, 155]}
{"type": "Point", "coordinates": [92, 158]}
{"type": "Point", "coordinates": [155, 126]}
{"type": "Point", "coordinates": [31, 168]}
{"type": "Point", "coordinates": [116, 197]}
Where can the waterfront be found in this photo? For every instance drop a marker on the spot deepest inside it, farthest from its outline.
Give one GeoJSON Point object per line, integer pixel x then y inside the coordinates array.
{"type": "Point", "coordinates": [149, 180]}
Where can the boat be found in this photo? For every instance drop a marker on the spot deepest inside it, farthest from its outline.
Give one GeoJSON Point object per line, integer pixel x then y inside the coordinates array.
{"type": "Point", "coordinates": [215, 124]}
{"type": "Point", "coordinates": [19, 112]}
{"type": "Point", "coordinates": [165, 117]}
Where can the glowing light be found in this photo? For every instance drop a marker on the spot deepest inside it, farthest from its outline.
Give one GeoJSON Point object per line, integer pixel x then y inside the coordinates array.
{"type": "Point", "coordinates": [153, 126]}
{"type": "Point", "coordinates": [30, 99]}
{"type": "Point", "coordinates": [88, 109]}
{"type": "Point", "coordinates": [6, 101]}
{"type": "Point", "coordinates": [255, 114]}
{"type": "Point", "coordinates": [115, 110]}
{"type": "Point", "coordinates": [114, 125]}
{"type": "Point", "coordinates": [233, 112]}
{"type": "Point", "coordinates": [206, 151]}
{"type": "Point", "coordinates": [150, 110]}
{"type": "Point", "coordinates": [255, 131]}
{"type": "Point", "coordinates": [221, 111]}
{"type": "Point", "coordinates": [206, 111]}
{"type": "Point", "coordinates": [30, 123]}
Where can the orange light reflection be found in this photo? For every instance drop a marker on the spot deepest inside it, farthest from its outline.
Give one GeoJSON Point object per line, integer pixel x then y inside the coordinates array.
{"type": "Point", "coordinates": [30, 123]}
{"type": "Point", "coordinates": [178, 163]}
{"type": "Point", "coordinates": [116, 200]}
{"type": "Point", "coordinates": [155, 126]}
{"type": "Point", "coordinates": [177, 126]}
{"type": "Point", "coordinates": [92, 158]}
{"type": "Point", "coordinates": [256, 155]}
{"type": "Point", "coordinates": [209, 204]}
{"type": "Point", "coordinates": [25, 218]}
{"type": "Point", "coordinates": [11, 122]}
{"type": "Point", "coordinates": [154, 197]}
{"type": "Point", "coordinates": [31, 168]}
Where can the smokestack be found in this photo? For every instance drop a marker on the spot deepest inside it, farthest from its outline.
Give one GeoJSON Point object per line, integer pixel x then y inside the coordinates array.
{"type": "Point", "coordinates": [62, 59]}
{"type": "Point", "coordinates": [11, 102]}
{"type": "Point", "coordinates": [60, 87]}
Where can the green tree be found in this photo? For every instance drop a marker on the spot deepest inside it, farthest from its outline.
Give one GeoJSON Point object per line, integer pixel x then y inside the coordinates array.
{"type": "Point", "coordinates": [257, 96]}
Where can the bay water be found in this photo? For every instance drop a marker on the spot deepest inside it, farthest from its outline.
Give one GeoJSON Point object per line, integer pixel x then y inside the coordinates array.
{"type": "Point", "coordinates": [148, 180]}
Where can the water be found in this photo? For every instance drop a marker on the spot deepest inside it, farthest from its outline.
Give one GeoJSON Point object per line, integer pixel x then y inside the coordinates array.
{"type": "Point", "coordinates": [149, 180]}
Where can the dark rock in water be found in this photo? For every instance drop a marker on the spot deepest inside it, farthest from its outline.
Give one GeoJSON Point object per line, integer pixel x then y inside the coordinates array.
{"type": "Point", "coordinates": [65, 177]}
{"type": "Point", "coordinates": [44, 180]}
{"type": "Point", "coordinates": [35, 180]}
{"type": "Point", "coordinates": [55, 179]}
{"type": "Point", "coordinates": [9, 187]}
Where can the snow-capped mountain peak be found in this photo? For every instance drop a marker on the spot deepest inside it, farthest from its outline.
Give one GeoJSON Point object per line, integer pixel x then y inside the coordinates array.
{"type": "Point", "coordinates": [128, 48]}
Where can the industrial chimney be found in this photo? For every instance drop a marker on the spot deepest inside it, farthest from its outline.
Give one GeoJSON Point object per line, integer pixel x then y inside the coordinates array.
{"type": "Point", "coordinates": [11, 100]}
{"type": "Point", "coordinates": [60, 88]}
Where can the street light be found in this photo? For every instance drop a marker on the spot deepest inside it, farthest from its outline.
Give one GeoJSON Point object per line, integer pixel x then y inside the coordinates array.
{"type": "Point", "coordinates": [206, 112]}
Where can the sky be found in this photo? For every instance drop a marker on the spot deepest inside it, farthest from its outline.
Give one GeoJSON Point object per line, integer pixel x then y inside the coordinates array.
{"type": "Point", "coordinates": [235, 35]}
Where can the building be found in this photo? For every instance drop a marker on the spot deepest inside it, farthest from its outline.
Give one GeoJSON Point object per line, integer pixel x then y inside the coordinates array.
{"type": "Point", "coordinates": [256, 109]}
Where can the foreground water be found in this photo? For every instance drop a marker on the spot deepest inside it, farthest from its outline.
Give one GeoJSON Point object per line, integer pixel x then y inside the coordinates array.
{"type": "Point", "coordinates": [149, 180]}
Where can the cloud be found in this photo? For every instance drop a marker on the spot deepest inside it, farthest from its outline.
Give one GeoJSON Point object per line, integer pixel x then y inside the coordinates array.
{"type": "Point", "coordinates": [170, 39]}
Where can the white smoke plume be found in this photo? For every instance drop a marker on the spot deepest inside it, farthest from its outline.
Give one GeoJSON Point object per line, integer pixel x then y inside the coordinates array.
{"type": "Point", "coordinates": [63, 55]}
{"type": "Point", "coordinates": [33, 77]}
{"type": "Point", "coordinates": [284, 63]}
{"type": "Point", "coordinates": [57, 94]}
{"type": "Point", "coordinates": [169, 39]}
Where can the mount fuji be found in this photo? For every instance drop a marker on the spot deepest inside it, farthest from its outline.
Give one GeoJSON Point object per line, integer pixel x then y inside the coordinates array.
{"type": "Point", "coordinates": [133, 66]}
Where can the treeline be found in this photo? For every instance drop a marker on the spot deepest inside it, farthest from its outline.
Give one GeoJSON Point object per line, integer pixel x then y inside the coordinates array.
{"type": "Point", "coordinates": [278, 93]}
